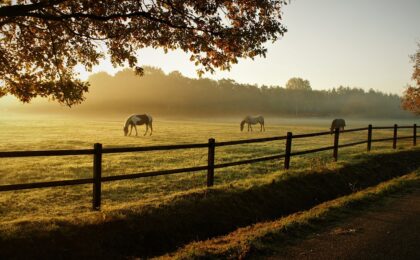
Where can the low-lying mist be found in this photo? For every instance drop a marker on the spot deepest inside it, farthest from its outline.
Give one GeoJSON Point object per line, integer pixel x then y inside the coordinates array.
{"type": "Point", "coordinates": [175, 96]}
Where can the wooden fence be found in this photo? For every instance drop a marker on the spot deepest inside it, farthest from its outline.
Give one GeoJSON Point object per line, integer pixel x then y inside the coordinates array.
{"type": "Point", "coordinates": [98, 151]}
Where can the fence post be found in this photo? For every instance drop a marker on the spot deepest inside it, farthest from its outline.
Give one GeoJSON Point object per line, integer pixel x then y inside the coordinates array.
{"type": "Point", "coordinates": [288, 150]}
{"type": "Point", "coordinates": [336, 137]}
{"type": "Point", "coordinates": [210, 166]}
{"type": "Point", "coordinates": [369, 141]}
{"type": "Point", "coordinates": [97, 173]}
{"type": "Point", "coordinates": [414, 135]}
{"type": "Point", "coordinates": [394, 143]}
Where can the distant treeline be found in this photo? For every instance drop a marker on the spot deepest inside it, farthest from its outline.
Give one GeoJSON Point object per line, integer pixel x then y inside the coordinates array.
{"type": "Point", "coordinates": [174, 94]}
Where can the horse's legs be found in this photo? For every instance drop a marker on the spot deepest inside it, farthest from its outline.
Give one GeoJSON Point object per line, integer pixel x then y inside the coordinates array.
{"type": "Point", "coordinates": [147, 129]}
{"type": "Point", "coordinates": [250, 127]}
{"type": "Point", "coordinates": [151, 128]}
{"type": "Point", "coordinates": [135, 127]}
{"type": "Point", "coordinates": [131, 128]}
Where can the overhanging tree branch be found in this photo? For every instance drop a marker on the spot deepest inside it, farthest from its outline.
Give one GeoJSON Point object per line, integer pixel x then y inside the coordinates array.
{"type": "Point", "coordinates": [215, 33]}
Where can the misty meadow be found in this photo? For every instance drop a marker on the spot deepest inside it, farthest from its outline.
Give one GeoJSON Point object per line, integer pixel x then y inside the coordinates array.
{"type": "Point", "coordinates": [174, 95]}
{"type": "Point", "coordinates": [170, 129]}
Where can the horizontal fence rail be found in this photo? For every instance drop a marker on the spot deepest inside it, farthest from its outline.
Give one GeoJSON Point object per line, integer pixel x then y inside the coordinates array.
{"type": "Point", "coordinates": [153, 173]}
{"type": "Point", "coordinates": [352, 144]}
{"type": "Point", "coordinates": [355, 130]}
{"type": "Point", "coordinates": [383, 127]}
{"type": "Point", "coordinates": [98, 151]}
{"type": "Point", "coordinates": [47, 184]}
{"type": "Point", "coordinates": [45, 153]}
{"type": "Point", "coordinates": [248, 141]}
{"type": "Point", "coordinates": [311, 134]}
{"type": "Point", "coordinates": [406, 127]}
{"type": "Point", "coordinates": [154, 148]}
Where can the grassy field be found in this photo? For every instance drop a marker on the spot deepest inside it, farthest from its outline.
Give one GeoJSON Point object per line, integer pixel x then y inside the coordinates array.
{"type": "Point", "coordinates": [66, 202]}
{"type": "Point", "coordinates": [262, 240]}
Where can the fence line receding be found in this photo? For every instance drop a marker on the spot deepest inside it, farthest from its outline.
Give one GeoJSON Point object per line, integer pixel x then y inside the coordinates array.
{"type": "Point", "coordinates": [98, 151]}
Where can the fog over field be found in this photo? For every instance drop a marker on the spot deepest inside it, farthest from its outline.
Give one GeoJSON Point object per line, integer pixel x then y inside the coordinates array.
{"type": "Point", "coordinates": [178, 97]}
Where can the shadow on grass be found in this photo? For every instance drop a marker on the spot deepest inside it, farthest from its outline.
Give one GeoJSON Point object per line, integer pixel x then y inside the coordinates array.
{"type": "Point", "coordinates": [153, 231]}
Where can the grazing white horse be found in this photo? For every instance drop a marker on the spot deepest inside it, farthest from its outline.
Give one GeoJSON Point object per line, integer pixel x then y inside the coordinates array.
{"type": "Point", "coordinates": [135, 120]}
{"type": "Point", "coordinates": [337, 123]}
{"type": "Point", "coordinates": [253, 120]}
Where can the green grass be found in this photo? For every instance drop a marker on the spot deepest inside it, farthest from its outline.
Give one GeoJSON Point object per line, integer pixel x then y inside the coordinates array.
{"type": "Point", "coordinates": [149, 228]}
{"type": "Point", "coordinates": [262, 238]}
{"type": "Point", "coordinates": [67, 202]}
{"type": "Point", "coordinates": [152, 216]}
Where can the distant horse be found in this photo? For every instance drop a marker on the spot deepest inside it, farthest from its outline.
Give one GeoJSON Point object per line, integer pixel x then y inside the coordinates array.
{"type": "Point", "coordinates": [134, 120]}
{"type": "Point", "coordinates": [251, 120]}
{"type": "Point", "coordinates": [337, 123]}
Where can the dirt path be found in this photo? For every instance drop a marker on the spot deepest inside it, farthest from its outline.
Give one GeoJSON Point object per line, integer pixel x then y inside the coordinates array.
{"type": "Point", "coordinates": [387, 231]}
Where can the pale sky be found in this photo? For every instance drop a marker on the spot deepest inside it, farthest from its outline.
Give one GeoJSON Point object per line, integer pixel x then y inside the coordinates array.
{"type": "Point", "coordinates": [357, 43]}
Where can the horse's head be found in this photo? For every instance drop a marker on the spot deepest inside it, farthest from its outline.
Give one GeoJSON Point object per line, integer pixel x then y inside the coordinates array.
{"type": "Point", "coordinates": [125, 130]}
{"type": "Point", "coordinates": [242, 125]}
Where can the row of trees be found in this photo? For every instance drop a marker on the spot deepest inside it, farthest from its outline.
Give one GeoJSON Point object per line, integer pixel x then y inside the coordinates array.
{"type": "Point", "coordinates": [174, 94]}
{"type": "Point", "coordinates": [41, 42]}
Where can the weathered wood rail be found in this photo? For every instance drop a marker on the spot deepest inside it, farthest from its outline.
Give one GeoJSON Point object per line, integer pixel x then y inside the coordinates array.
{"type": "Point", "coordinates": [97, 152]}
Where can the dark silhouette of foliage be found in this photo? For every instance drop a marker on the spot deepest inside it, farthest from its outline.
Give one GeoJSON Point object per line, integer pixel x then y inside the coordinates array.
{"type": "Point", "coordinates": [41, 41]}
{"type": "Point", "coordinates": [411, 98]}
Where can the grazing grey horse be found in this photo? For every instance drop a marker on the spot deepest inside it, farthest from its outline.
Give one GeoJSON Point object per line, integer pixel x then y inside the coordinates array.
{"type": "Point", "coordinates": [135, 120]}
{"type": "Point", "coordinates": [338, 123]}
{"type": "Point", "coordinates": [252, 120]}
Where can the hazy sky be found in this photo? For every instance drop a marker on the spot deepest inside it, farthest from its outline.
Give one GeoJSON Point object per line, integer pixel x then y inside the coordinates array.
{"type": "Point", "coordinates": [357, 43]}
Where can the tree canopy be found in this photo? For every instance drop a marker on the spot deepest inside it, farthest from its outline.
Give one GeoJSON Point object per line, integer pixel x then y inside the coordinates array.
{"type": "Point", "coordinates": [411, 98]}
{"type": "Point", "coordinates": [166, 95]}
{"type": "Point", "coordinates": [298, 84]}
{"type": "Point", "coordinates": [41, 41]}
